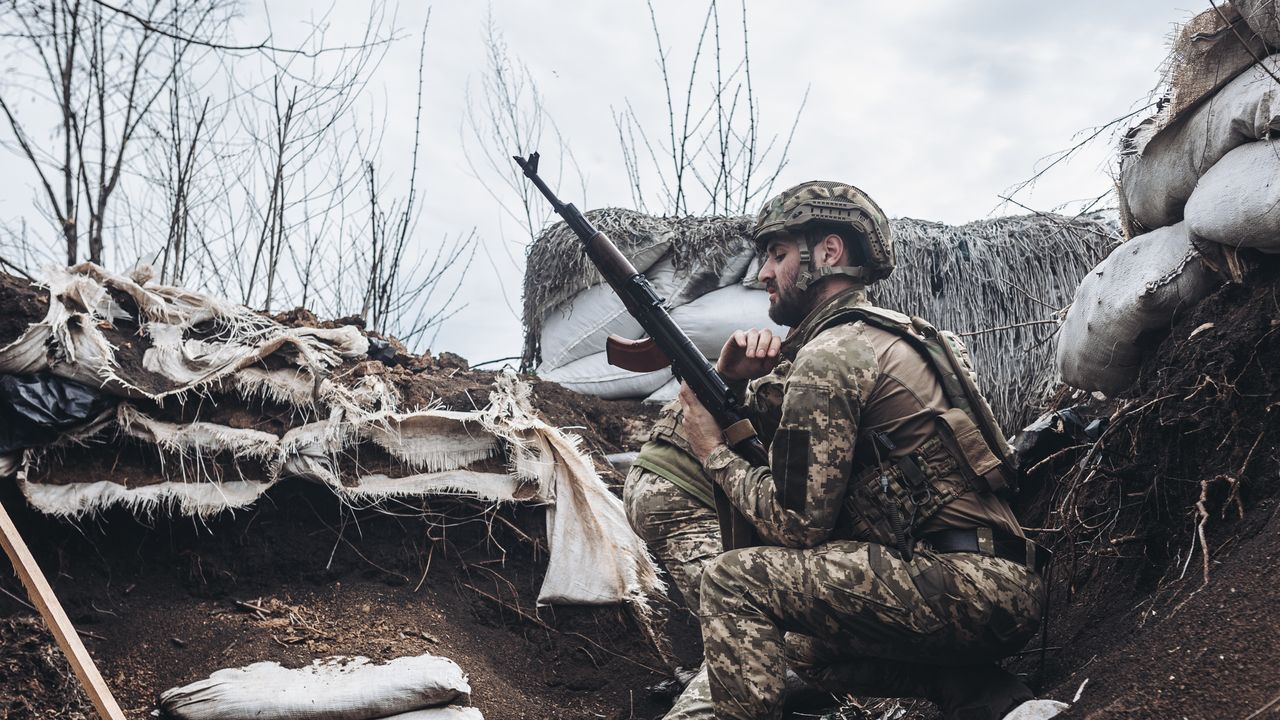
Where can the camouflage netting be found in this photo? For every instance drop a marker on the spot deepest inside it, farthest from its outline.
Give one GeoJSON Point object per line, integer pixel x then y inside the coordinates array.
{"type": "Point", "coordinates": [1000, 284]}
{"type": "Point", "coordinates": [1001, 280]}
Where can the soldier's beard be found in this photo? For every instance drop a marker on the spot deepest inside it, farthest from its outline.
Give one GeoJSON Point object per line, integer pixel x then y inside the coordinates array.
{"type": "Point", "coordinates": [789, 305]}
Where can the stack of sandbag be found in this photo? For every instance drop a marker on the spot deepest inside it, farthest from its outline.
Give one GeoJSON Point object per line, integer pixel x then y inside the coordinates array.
{"type": "Point", "coordinates": [996, 280]}
{"type": "Point", "coordinates": [1198, 183]}
{"type": "Point", "coordinates": [425, 687]}
{"type": "Point", "coordinates": [158, 399]}
{"type": "Point", "coordinates": [703, 267]}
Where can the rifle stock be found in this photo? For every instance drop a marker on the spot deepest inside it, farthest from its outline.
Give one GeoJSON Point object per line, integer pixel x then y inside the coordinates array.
{"type": "Point", "coordinates": [666, 337]}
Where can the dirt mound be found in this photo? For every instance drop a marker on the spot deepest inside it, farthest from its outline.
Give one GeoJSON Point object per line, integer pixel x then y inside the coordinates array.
{"type": "Point", "coordinates": [301, 576]}
{"type": "Point", "coordinates": [1166, 528]}
{"type": "Point", "coordinates": [164, 601]}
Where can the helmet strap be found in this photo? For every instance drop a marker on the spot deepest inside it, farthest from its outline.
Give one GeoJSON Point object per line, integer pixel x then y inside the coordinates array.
{"type": "Point", "coordinates": [810, 274]}
{"type": "Point", "coordinates": [806, 276]}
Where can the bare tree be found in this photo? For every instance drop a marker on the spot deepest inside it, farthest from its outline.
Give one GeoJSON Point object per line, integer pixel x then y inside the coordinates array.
{"type": "Point", "coordinates": [102, 75]}
{"type": "Point", "coordinates": [394, 286]}
{"type": "Point", "coordinates": [711, 159]}
{"type": "Point", "coordinates": [237, 168]}
{"type": "Point", "coordinates": [508, 117]}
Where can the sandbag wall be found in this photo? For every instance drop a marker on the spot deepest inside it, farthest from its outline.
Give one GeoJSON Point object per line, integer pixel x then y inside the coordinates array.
{"type": "Point", "coordinates": [703, 267]}
{"type": "Point", "coordinates": [206, 404]}
{"type": "Point", "coordinates": [999, 281]}
{"type": "Point", "coordinates": [1200, 189]}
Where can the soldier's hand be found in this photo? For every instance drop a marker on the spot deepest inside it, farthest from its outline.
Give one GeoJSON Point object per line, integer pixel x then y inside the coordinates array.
{"type": "Point", "coordinates": [749, 354]}
{"type": "Point", "coordinates": [700, 429]}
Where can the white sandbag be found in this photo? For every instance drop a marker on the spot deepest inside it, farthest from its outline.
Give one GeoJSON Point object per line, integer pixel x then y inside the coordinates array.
{"type": "Point", "coordinates": [712, 318]}
{"type": "Point", "coordinates": [1158, 181]}
{"type": "Point", "coordinates": [593, 375]}
{"type": "Point", "coordinates": [596, 558]}
{"type": "Point", "coordinates": [330, 689]}
{"type": "Point", "coordinates": [1135, 292]}
{"type": "Point", "coordinates": [708, 320]}
{"type": "Point", "coordinates": [740, 267]}
{"type": "Point", "coordinates": [1237, 202]}
{"type": "Point", "coordinates": [449, 712]}
{"type": "Point", "coordinates": [699, 279]}
{"type": "Point", "coordinates": [664, 394]}
{"type": "Point", "coordinates": [1263, 17]}
{"type": "Point", "coordinates": [578, 327]}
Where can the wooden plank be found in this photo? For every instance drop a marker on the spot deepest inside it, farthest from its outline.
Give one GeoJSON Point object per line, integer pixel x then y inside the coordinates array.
{"type": "Point", "coordinates": [63, 631]}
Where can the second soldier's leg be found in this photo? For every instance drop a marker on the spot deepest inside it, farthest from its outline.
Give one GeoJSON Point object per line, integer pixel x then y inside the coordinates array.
{"type": "Point", "coordinates": [679, 530]}
{"type": "Point", "coordinates": [695, 702]}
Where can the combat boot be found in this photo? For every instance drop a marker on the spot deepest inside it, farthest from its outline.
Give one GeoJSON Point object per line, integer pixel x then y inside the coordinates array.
{"type": "Point", "coordinates": [983, 692]}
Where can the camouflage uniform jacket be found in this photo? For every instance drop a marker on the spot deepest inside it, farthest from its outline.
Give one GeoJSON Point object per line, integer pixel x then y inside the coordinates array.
{"type": "Point", "coordinates": [814, 410]}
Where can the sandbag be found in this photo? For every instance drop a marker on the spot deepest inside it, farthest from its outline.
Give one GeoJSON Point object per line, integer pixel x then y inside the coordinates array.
{"type": "Point", "coordinates": [708, 320]}
{"type": "Point", "coordinates": [1237, 202]}
{"type": "Point", "coordinates": [712, 318]}
{"type": "Point", "coordinates": [449, 712]}
{"type": "Point", "coordinates": [1157, 182]}
{"type": "Point", "coordinates": [1124, 303]}
{"type": "Point", "coordinates": [1263, 17]}
{"type": "Point", "coordinates": [578, 326]}
{"type": "Point", "coordinates": [332, 689]}
{"type": "Point", "coordinates": [664, 394]}
{"type": "Point", "coordinates": [1210, 49]}
{"type": "Point", "coordinates": [593, 375]}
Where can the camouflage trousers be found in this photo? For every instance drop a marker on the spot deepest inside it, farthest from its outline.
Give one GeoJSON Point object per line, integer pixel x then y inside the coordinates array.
{"type": "Point", "coordinates": [859, 619]}
{"type": "Point", "coordinates": [680, 530]}
{"type": "Point", "coordinates": [684, 535]}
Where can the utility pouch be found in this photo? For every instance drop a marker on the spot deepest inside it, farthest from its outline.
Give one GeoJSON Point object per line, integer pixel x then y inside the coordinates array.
{"type": "Point", "coordinates": [930, 581]}
{"type": "Point", "coordinates": [908, 484]}
{"type": "Point", "coordinates": [977, 462]}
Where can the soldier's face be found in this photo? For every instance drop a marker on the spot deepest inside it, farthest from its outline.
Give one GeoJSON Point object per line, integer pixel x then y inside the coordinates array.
{"type": "Point", "coordinates": [778, 271]}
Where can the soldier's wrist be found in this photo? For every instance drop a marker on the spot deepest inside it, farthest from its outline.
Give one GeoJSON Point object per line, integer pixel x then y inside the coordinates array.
{"type": "Point", "coordinates": [720, 457]}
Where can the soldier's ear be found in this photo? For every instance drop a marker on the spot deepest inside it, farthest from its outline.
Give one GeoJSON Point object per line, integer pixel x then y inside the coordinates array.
{"type": "Point", "coordinates": [830, 251]}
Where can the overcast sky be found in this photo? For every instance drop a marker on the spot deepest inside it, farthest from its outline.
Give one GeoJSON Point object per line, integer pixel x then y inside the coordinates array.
{"type": "Point", "coordinates": [934, 108]}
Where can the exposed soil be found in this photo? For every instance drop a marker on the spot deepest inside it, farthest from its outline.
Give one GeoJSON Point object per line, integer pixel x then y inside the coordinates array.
{"type": "Point", "coordinates": [299, 576]}
{"type": "Point", "coordinates": [165, 601]}
{"type": "Point", "coordinates": [1136, 615]}
{"type": "Point", "coordinates": [23, 304]}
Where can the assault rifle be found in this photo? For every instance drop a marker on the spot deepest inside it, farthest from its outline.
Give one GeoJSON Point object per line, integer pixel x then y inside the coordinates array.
{"type": "Point", "coordinates": [666, 345]}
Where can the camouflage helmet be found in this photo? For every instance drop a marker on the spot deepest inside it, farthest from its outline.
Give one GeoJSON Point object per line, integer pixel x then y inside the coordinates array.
{"type": "Point", "coordinates": [833, 205]}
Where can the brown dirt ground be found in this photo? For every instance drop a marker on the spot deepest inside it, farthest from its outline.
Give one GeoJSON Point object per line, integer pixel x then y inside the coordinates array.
{"type": "Point", "coordinates": [1135, 616]}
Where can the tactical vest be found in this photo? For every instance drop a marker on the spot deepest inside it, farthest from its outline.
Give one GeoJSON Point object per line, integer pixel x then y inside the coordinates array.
{"type": "Point", "coordinates": [888, 502]}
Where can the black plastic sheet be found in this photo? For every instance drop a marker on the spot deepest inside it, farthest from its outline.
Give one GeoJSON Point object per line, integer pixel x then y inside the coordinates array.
{"type": "Point", "coordinates": [35, 409]}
